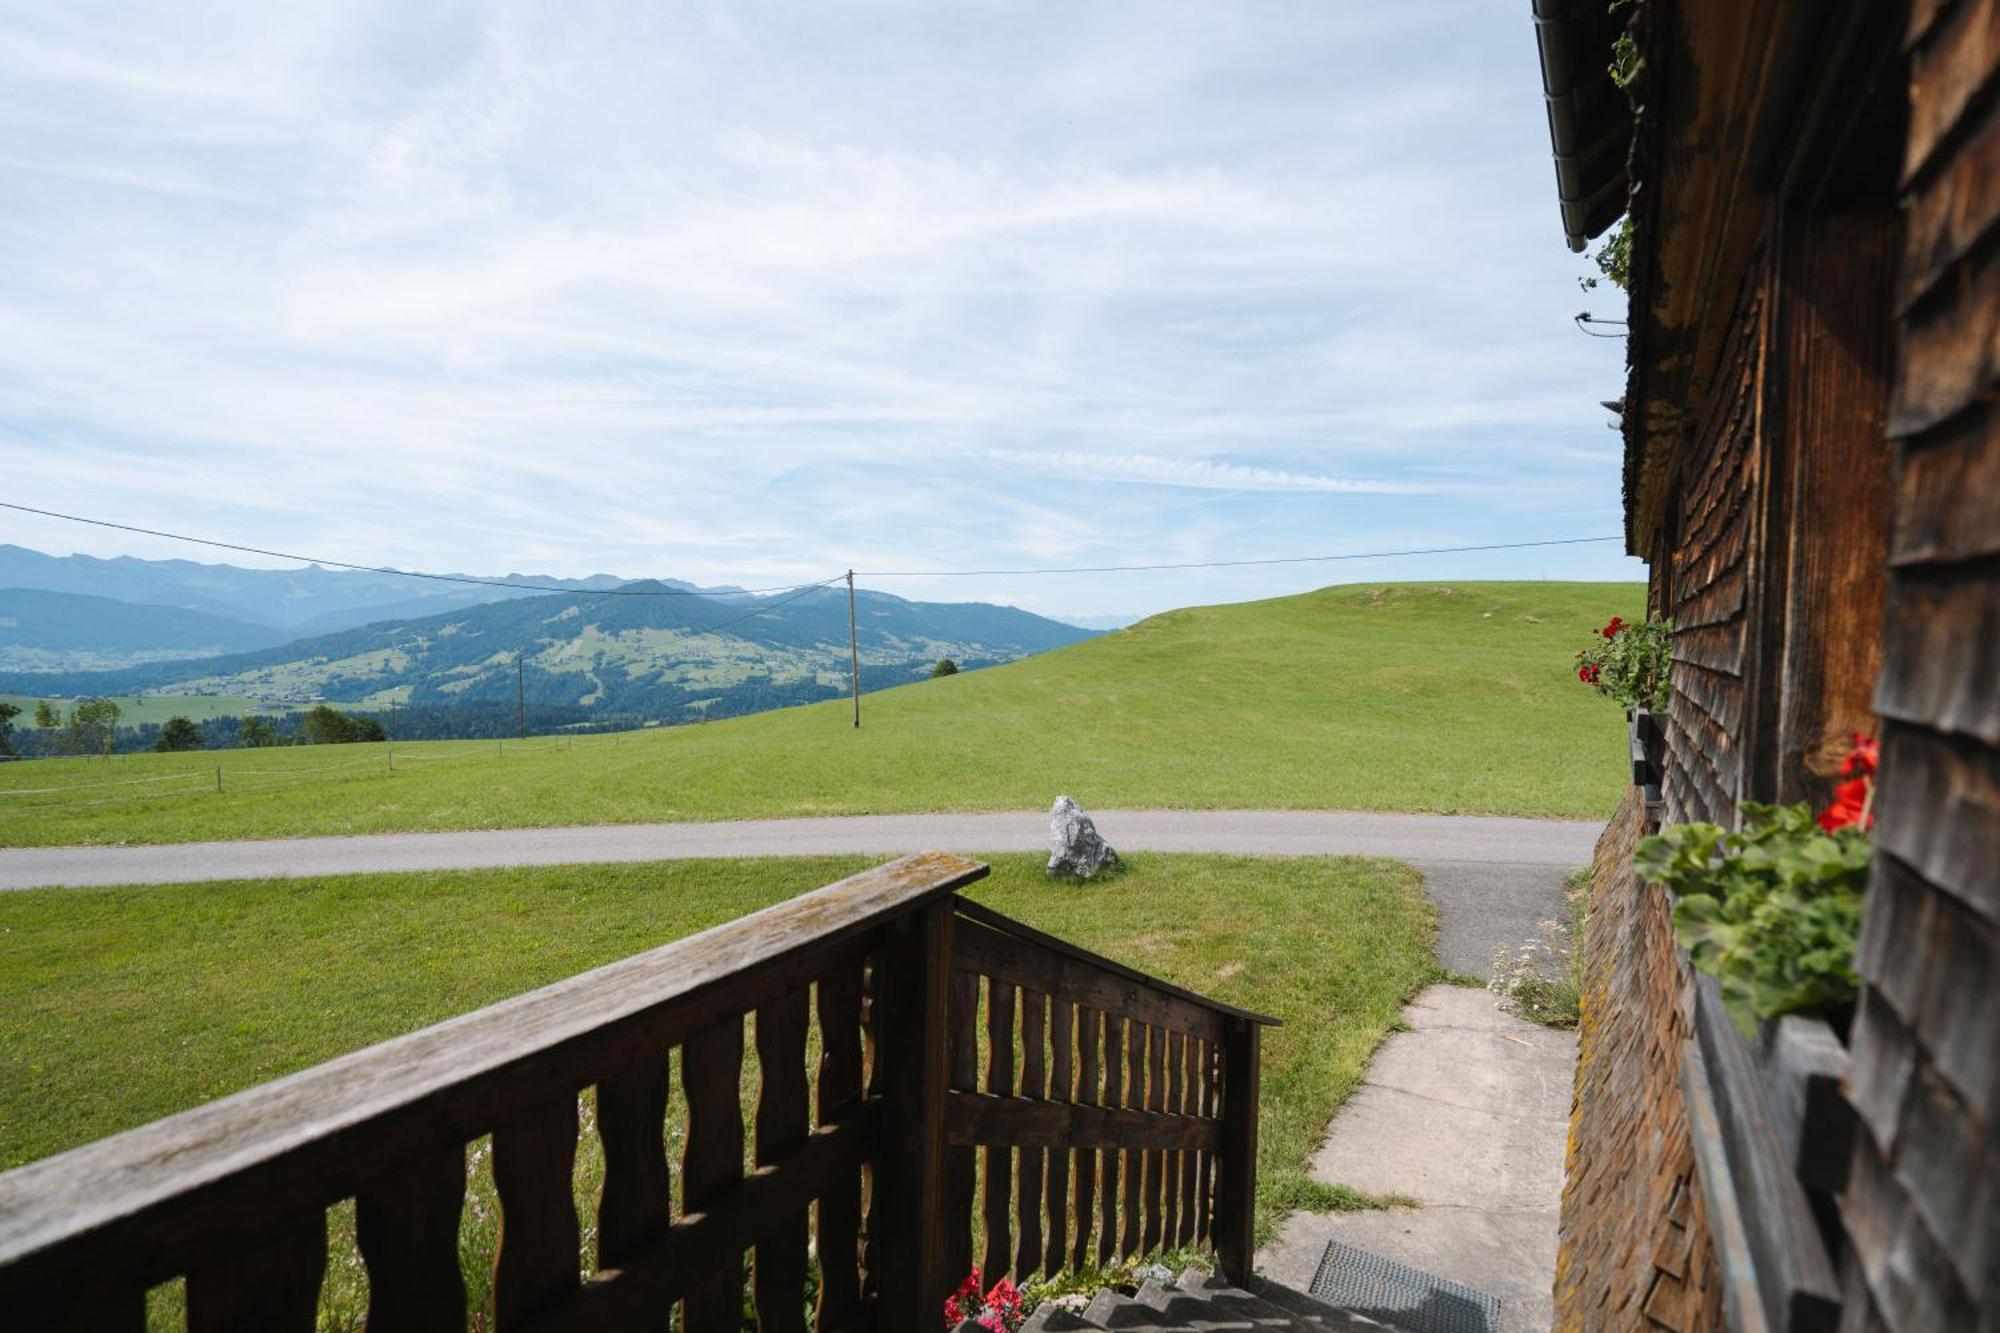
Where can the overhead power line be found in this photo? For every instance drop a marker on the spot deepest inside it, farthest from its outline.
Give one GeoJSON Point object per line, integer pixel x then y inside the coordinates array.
{"type": "Point", "coordinates": [802, 589]}
{"type": "Point", "coordinates": [410, 573]}
{"type": "Point", "coordinates": [1219, 564]}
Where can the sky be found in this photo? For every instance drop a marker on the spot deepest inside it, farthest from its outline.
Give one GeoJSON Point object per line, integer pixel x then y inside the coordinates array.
{"type": "Point", "coordinates": [755, 293]}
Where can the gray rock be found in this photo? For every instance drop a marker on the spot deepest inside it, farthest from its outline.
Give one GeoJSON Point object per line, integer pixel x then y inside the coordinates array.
{"type": "Point", "coordinates": [1075, 847]}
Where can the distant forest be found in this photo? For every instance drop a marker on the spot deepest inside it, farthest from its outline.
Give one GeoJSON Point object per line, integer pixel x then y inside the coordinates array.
{"type": "Point", "coordinates": [493, 719]}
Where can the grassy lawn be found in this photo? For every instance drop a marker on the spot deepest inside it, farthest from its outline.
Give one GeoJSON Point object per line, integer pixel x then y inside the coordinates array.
{"type": "Point", "coordinates": [1455, 699]}
{"type": "Point", "coordinates": [127, 1004]}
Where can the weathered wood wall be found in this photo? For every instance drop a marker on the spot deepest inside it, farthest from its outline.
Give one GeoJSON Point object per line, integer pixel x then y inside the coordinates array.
{"type": "Point", "coordinates": [1924, 1184]}
{"type": "Point", "coordinates": [1707, 581]}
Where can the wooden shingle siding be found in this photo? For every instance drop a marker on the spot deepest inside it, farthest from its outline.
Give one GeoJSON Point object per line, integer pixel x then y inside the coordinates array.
{"type": "Point", "coordinates": [1920, 1204]}
{"type": "Point", "coordinates": [1710, 580]}
{"type": "Point", "coordinates": [1633, 1248]}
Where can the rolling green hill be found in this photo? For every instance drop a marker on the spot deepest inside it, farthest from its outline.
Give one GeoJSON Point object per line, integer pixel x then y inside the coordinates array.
{"type": "Point", "coordinates": [1454, 698]}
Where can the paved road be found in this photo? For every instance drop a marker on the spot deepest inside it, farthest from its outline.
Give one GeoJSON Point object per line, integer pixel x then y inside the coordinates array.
{"type": "Point", "coordinates": [1493, 879]}
{"type": "Point", "coordinates": [1458, 845]}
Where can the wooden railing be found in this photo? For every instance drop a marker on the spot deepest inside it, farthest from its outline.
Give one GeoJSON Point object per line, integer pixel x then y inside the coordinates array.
{"type": "Point", "coordinates": [1102, 1113]}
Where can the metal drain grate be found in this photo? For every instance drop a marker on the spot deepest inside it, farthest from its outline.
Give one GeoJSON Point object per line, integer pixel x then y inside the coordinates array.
{"type": "Point", "coordinates": [1400, 1295]}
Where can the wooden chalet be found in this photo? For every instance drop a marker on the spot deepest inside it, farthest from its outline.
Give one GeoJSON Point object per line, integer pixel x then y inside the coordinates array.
{"type": "Point", "coordinates": [1812, 473]}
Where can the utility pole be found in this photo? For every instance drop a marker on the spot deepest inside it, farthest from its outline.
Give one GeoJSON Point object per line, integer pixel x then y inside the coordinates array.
{"type": "Point", "coordinates": [520, 697]}
{"type": "Point", "coordinates": [853, 650]}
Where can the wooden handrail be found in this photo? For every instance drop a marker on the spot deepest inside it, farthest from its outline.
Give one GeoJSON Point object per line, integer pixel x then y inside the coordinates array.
{"type": "Point", "coordinates": [147, 1204]}
{"type": "Point", "coordinates": [986, 916]}
{"type": "Point", "coordinates": [1117, 1116]}
{"type": "Point", "coordinates": [1128, 1123]}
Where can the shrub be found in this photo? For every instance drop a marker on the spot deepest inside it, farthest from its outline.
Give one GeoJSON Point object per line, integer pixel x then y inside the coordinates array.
{"type": "Point", "coordinates": [945, 667]}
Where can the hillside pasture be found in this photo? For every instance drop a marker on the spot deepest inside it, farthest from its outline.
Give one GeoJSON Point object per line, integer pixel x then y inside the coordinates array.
{"type": "Point", "coordinates": [1457, 699]}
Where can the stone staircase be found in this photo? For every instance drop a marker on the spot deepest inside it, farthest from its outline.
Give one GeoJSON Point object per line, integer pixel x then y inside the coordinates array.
{"type": "Point", "coordinates": [1198, 1301]}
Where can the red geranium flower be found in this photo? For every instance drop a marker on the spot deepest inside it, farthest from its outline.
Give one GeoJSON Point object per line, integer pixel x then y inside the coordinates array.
{"type": "Point", "coordinates": [1854, 799]}
{"type": "Point", "coordinates": [1861, 760]}
{"type": "Point", "coordinates": [1612, 630]}
{"type": "Point", "coordinates": [964, 1303]}
{"type": "Point", "coordinates": [1850, 806]}
{"type": "Point", "coordinates": [1588, 673]}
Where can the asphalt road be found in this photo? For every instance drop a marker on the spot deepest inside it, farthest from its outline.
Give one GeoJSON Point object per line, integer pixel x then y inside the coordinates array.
{"type": "Point", "coordinates": [1493, 879]}
{"type": "Point", "coordinates": [1443, 839]}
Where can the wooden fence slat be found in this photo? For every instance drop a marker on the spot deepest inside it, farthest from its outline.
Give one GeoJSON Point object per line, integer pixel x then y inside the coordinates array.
{"type": "Point", "coordinates": [636, 1203]}
{"type": "Point", "coordinates": [1062, 1037]}
{"type": "Point", "coordinates": [712, 1162]}
{"type": "Point", "coordinates": [407, 1229]}
{"type": "Point", "coordinates": [1133, 1204]}
{"type": "Point", "coordinates": [1155, 1188]}
{"type": "Point", "coordinates": [700, 1243]}
{"type": "Point", "coordinates": [271, 1286]}
{"type": "Point", "coordinates": [534, 1161]}
{"type": "Point", "coordinates": [1090, 1037]}
{"type": "Point", "coordinates": [1021, 962]}
{"type": "Point", "coordinates": [783, 1123]}
{"type": "Point", "coordinates": [1204, 1091]}
{"type": "Point", "coordinates": [839, 1209]}
{"type": "Point", "coordinates": [1115, 1066]}
{"type": "Point", "coordinates": [962, 1164]}
{"type": "Point", "coordinates": [1035, 1087]}
{"type": "Point", "coordinates": [984, 1120]}
{"type": "Point", "coordinates": [1176, 1159]}
{"type": "Point", "coordinates": [999, 1159]}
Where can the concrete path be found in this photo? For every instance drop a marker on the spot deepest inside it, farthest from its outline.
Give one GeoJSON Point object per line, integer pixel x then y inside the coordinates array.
{"type": "Point", "coordinates": [1467, 856]}
{"type": "Point", "coordinates": [1467, 1112]}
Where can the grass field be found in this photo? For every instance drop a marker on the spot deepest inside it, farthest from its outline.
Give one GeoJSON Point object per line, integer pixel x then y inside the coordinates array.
{"type": "Point", "coordinates": [1454, 699]}
{"type": "Point", "coordinates": [127, 1004]}
{"type": "Point", "coordinates": [138, 709]}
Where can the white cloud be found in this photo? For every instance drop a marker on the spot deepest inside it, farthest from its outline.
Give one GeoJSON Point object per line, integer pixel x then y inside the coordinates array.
{"type": "Point", "coordinates": [753, 292]}
{"type": "Point", "coordinates": [1200, 473]}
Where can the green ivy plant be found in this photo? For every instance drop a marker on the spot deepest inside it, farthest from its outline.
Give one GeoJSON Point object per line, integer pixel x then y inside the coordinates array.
{"type": "Point", "coordinates": [1770, 910]}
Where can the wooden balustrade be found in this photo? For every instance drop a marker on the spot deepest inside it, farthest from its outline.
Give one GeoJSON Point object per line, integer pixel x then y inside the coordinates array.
{"type": "Point", "coordinates": [977, 1081]}
{"type": "Point", "coordinates": [1093, 1112]}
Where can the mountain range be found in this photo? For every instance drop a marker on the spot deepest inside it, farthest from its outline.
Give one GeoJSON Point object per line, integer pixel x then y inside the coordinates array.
{"type": "Point", "coordinates": [658, 649]}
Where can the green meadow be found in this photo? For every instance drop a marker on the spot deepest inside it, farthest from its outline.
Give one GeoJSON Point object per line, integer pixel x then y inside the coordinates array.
{"type": "Point", "coordinates": [1454, 698]}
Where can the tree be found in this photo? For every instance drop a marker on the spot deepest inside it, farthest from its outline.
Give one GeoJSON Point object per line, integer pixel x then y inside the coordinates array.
{"type": "Point", "coordinates": [93, 727]}
{"type": "Point", "coordinates": [945, 667]}
{"type": "Point", "coordinates": [257, 732]}
{"type": "Point", "coordinates": [47, 716]}
{"type": "Point", "coordinates": [329, 726]}
{"type": "Point", "coordinates": [179, 733]}
{"type": "Point", "coordinates": [8, 712]}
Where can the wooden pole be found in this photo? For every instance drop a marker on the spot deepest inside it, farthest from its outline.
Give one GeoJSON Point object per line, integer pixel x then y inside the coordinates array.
{"type": "Point", "coordinates": [1236, 1192]}
{"type": "Point", "coordinates": [520, 698]}
{"type": "Point", "coordinates": [853, 650]}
